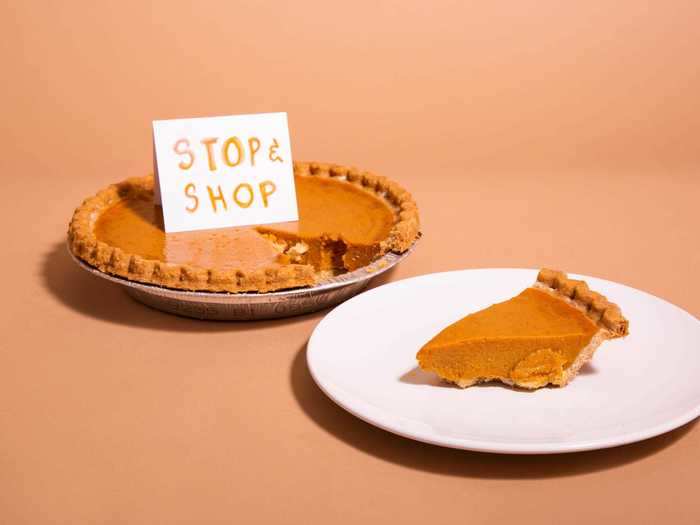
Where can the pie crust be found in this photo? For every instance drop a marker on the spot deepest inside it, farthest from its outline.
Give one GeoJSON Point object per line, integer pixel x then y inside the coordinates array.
{"type": "Point", "coordinates": [85, 245]}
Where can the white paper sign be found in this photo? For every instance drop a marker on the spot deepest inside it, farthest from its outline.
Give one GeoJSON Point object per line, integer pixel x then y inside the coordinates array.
{"type": "Point", "coordinates": [218, 172]}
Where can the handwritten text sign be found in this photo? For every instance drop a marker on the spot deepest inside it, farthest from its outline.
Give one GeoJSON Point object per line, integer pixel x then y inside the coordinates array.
{"type": "Point", "coordinates": [218, 172]}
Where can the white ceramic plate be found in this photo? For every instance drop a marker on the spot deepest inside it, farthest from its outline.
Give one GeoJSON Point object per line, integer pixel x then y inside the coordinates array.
{"type": "Point", "coordinates": [362, 355]}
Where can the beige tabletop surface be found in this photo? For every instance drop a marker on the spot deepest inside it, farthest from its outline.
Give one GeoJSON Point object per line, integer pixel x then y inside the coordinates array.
{"type": "Point", "coordinates": [564, 134]}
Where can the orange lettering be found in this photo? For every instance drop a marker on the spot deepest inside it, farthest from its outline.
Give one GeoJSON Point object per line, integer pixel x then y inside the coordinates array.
{"type": "Point", "coordinates": [249, 188]}
{"type": "Point", "coordinates": [239, 147]}
{"type": "Point", "coordinates": [187, 151]}
{"type": "Point", "coordinates": [254, 145]}
{"type": "Point", "coordinates": [267, 188]}
{"type": "Point", "coordinates": [214, 198]}
{"type": "Point", "coordinates": [190, 191]}
{"type": "Point", "coordinates": [210, 154]}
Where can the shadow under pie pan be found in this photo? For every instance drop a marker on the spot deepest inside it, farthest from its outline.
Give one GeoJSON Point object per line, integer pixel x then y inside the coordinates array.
{"type": "Point", "coordinates": [224, 306]}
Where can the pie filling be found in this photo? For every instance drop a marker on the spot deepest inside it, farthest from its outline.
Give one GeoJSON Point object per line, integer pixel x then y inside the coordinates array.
{"type": "Point", "coordinates": [326, 256]}
{"type": "Point", "coordinates": [517, 360]}
{"type": "Point", "coordinates": [340, 229]}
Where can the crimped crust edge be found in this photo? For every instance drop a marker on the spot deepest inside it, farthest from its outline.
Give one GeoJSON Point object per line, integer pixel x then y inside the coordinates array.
{"type": "Point", "coordinates": [606, 314]}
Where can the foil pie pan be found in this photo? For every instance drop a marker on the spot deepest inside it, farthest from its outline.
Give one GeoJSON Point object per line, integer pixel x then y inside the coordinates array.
{"type": "Point", "coordinates": [224, 306]}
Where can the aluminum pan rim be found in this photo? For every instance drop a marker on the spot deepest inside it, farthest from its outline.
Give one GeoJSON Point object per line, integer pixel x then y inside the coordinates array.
{"type": "Point", "coordinates": [361, 275]}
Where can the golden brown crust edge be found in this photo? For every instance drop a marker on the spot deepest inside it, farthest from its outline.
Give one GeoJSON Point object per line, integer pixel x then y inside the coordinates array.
{"type": "Point", "coordinates": [84, 245]}
{"type": "Point", "coordinates": [605, 314]}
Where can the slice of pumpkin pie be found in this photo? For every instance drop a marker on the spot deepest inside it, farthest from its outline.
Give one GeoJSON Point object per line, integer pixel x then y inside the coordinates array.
{"type": "Point", "coordinates": [542, 336]}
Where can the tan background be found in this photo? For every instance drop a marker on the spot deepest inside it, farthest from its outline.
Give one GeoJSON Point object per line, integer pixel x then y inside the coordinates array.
{"type": "Point", "coordinates": [531, 133]}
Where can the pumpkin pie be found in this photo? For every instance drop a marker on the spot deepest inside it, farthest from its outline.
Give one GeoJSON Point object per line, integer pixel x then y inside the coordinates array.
{"type": "Point", "coordinates": [543, 336]}
{"type": "Point", "coordinates": [347, 219]}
